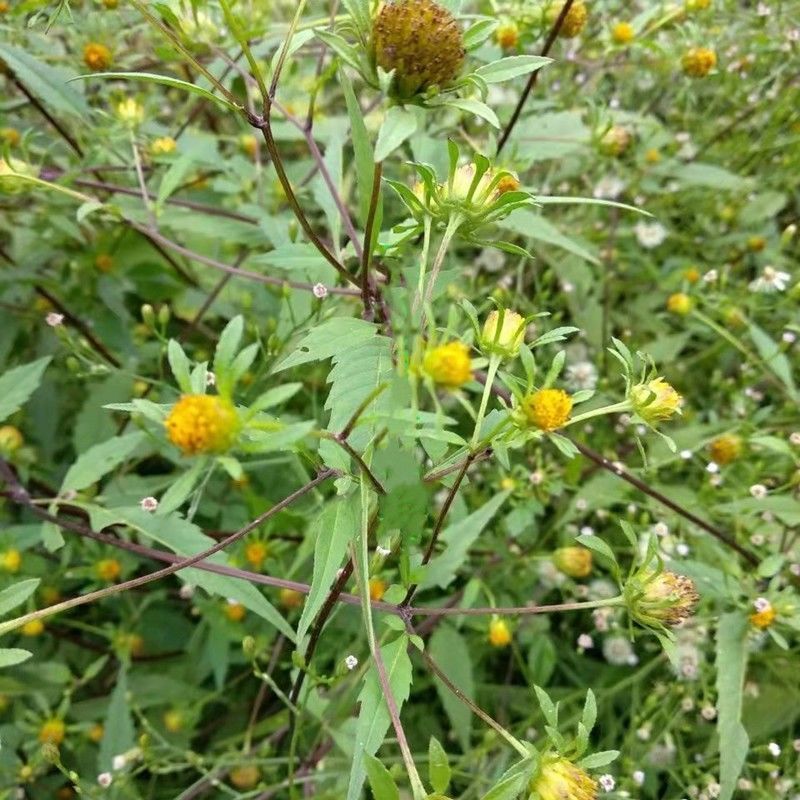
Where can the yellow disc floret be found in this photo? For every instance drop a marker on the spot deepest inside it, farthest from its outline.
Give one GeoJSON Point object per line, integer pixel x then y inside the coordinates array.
{"type": "Point", "coordinates": [499, 634]}
{"type": "Point", "coordinates": [679, 303]}
{"type": "Point", "coordinates": [96, 56]}
{"type": "Point", "coordinates": [764, 618]}
{"type": "Point", "coordinates": [10, 439]}
{"type": "Point", "coordinates": [163, 145]}
{"type": "Point", "coordinates": [547, 409]}
{"type": "Point", "coordinates": [623, 33]}
{"type": "Point", "coordinates": [560, 779]}
{"type": "Point", "coordinates": [52, 731]}
{"type": "Point", "coordinates": [726, 448]}
{"type": "Point", "coordinates": [201, 423]}
{"type": "Point", "coordinates": [573, 561]}
{"type": "Point", "coordinates": [421, 41]}
{"type": "Point", "coordinates": [698, 61]}
{"type": "Point", "coordinates": [11, 560]}
{"type": "Point", "coordinates": [108, 569]}
{"type": "Point", "coordinates": [575, 20]}
{"type": "Point", "coordinates": [448, 365]}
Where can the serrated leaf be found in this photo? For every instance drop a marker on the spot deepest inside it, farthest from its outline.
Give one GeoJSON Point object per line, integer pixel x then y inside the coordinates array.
{"type": "Point", "coordinates": [731, 666]}
{"type": "Point", "coordinates": [17, 593]}
{"type": "Point", "coordinates": [380, 781]}
{"type": "Point", "coordinates": [18, 384]}
{"type": "Point", "coordinates": [373, 718]}
{"type": "Point", "coordinates": [99, 460]}
{"type": "Point", "coordinates": [332, 532]}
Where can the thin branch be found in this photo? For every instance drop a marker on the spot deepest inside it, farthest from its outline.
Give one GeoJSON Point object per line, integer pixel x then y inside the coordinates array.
{"type": "Point", "coordinates": [551, 39]}
{"type": "Point", "coordinates": [368, 234]}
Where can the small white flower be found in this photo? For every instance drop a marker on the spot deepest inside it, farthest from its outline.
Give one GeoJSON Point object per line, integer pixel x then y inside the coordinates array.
{"type": "Point", "coordinates": [710, 276]}
{"type": "Point", "coordinates": [794, 438]}
{"type": "Point", "coordinates": [608, 188]}
{"type": "Point", "coordinates": [758, 490]}
{"type": "Point", "coordinates": [685, 454]}
{"type": "Point", "coordinates": [712, 467]}
{"type": "Point", "coordinates": [796, 745]}
{"type": "Point", "coordinates": [351, 662]}
{"type": "Point", "coordinates": [490, 260]}
{"type": "Point", "coordinates": [789, 337]}
{"type": "Point", "coordinates": [607, 783]}
{"type": "Point", "coordinates": [567, 287]}
{"type": "Point", "coordinates": [54, 320]}
{"type": "Point", "coordinates": [187, 591]}
{"type": "Point", "coordinates": [757, 539]}
{"type": "Point", "coordinates": [211, 378]}
{"type": "Point", "coordinates": [708, 712]}
{"type": "Point", "coordinates": [118, 762]}
{"type": "Point", "coordinates": [581, 504]}
{"type": "Point", "coordinates": [770, 280]}
{"type": "Point", "coordinates": [320, 291]}
{"type": "Point", "coordinates": [794, 569]}
{"type": "Point", "coordinates": [763, 10]}
{"type": "Point", "coordinates": [713, 789]}
{"type": "Point", "coordinates": [643, 733]}
{"type": "Point", "coordinates": [148, 504]}
{"type": "Point", "coordinates": [585, 642]}
{"type": "Point", "coordinates": [582, 375]}
{"type": "Point", "coordinates": [638, 777]}
{"type": "Point", "coordinates": [587, 530]}
{"type": "Point", "coordinates": [715, 480]}
{"type": "Point", "coordinates": [687, 704]}
{"type": "Point", "coordinates": [536, 477]}
{"type": "Point", "coordinates": [682, 549]}
{"type": "Point", "coordinates": [661, 529]}
{"type": "Point", "coordinates": [650, 234]}
{"type": "Point", "coordinates": [383, 551]}
{"type": "Point", "coordinates": [761, 604]}
{"type": "Point", "coordinates": [104, 779]}
{"type": "Point", "coordinates": [774, 749]}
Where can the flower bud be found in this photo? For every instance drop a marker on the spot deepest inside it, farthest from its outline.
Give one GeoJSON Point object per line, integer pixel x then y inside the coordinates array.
{"type": "Point", "coordinates": [725, 448]}
{"type": "Point", "coordinates": [615, 141]}
{"type": "Point", "coordinates": [560, 779]}
{"type": "Point", "coordinates": [655, 400]}
{"type": "Point", "coordinates": [679, 303]}
{"type": "Point", "coordinates": [503, 333]}
{"type": "Point", "coordinates": [130, 112]}
{"type": "Point", "coordinates": [576, 562]}
{"type": "Point", "coordinates": [421, 41]}
{"type": "Point", "coordinates": [10, 440]}
{"type": "Point", "coordinates": [10, 183]}
{"type": "Point", "coordinates": [499, 633]}
{"type": "Point", "coordinates": [664, 598]}
{"type": "Point", "coordinates": [96, 56]}
{"type": "Point", "coordinates": [623, 33]}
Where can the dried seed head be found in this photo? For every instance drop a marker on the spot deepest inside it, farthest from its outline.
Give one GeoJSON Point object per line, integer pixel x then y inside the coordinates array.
{"type": "Point", "coordinates": [421, 41]}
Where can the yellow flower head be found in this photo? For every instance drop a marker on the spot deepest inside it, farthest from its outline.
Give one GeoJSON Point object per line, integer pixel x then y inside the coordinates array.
{"type": "Point", "coordinates": [623, 33]}
{"type": "Point", "coordinates": [249, 144]}
{"type": "Point", "coordinates": [574, 22]}
{"type": "Point", "coordinates": [698, 61]}
{"type": "Point", "coordinates": [108, 569]}
{"type": "Point", "coordinates": [764, 618]}
{"type": "Point", "coordinates": [255, 553]}
{"type": "Point", "coordinates": [756, 243]}
{"type": "Point", "coordinates": [290, 598]}
{"type": "Point", "coordinates": [615, 141]}
{"type": "Point", "coordinates": [507, 35]}
{"type": "Point", "coordinates": [173, 720]}
{"type": "Point", "coordinates": [163, 145]}
{"type": "Point", "coordinates": [560, 779]}
{"type": "Point", "coordinates": [655, 400]}
{"type": "Point", "coordinates": [33, 628]}
{"type": "Point", "coordinates": [245, 777]}
{"type": "Point", "coordinates": [573, 561]}
{"type": "Point", "coordinates": [448, 365]}
{"type": "Point", "coordinates": [10, 439]}
{"type": "Point", "coordinates": [235, 612]}
{"type": "Point", "coordinates": [130, 112]}
{"type": "Point", "coordinates": [96, 56]}
{"type": "Point", "coordinates": [691, 274]}
{"type": "Point", "coordinates": [95, 733]}
{"type": "Point", "coordinates": [503, 333]}
{"type": "Point", "coordinates": [499, 633]}
{"type": "Point", "coordinates": [11, 560]}
{"type": "Point", "coordinates": [377, 588]}
{"type": "Point", "coordinates": [9, 137]}
{"type": "Point", "coordinates": [104, 262]}
{"type": "Point", "coordinates": [421, 41]}
{"type": "Point", "coordinates": [726, 448]}
{"type": "Point", "coordinates": [202, 423]}
{"type": "Point", "coordinates": [652, 156]}
{"type": "Point", "coordinates": [662, 597]}
{"type": "Point", "coordinates": [52, 731]}
{"type": "Point", "coordinates": [547, 409]}
{"type": "Point", "coordinates": [508, 183]}
{"type": "Point", "coordinates": [679, 303]}
{"type": "Point", "coordinates": [697, 5]}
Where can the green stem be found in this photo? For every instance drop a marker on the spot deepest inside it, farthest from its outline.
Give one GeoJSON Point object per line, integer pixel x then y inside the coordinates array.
{"type": "Point", "coordinates": [617, 408]}
{"type": "Point", "coordinates": [494, 363]}
{"type": "Point", "coordinates": [450, 231]}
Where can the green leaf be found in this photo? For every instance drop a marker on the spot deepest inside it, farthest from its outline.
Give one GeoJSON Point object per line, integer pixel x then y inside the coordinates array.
{"type": "Point", "coordinates": [10, 656]}
{"type": "Point", "coordinates": [373, 718]}
{"type": "Point", "coordinates": [46, 83]}
{"type": "Point", "coordinates": [362, 148]}
{"type": "Point", "coordinates": [708, 175]}
{"type": "Point", "coordinates": [174, 177]}
{"type": "Point", "coordinates": [18, 384]}
{"type": "Point", "coordinates": [731, 664]}
{"type": "Point", "coordinates": [347, 52]}
{"type": "Point", "coordinates": [227, 347]}
{"type": "Point", "coordinates": [165, 80]}
{"type": "Point", "coordinates": [179, 364]}
{"type": "Point", "coordinates": [99, 460]}
{"type": "Point", "coordinates": [399, 124]}
{"type": "Point", "coordinates": [181, 488]}
{"type": "Point", "coordinates": [534, 226]}
{"type": "Point", "coordinates": [274, 397]}
{"type": "Point", "coordinates": [476, 107]}
{"type": "Point", "coordinates": [600, 759]}
{"type": "Point", "coordinates": [326, 340]}
{"type": "Point", "coordinates": [772, 356]}
{"type": "Point", "coordinates": [438, 766]}
{"type": "Point", "coordinates": [333, 531]}
{"type": "Point", "coordinates": [479, 32]}
{"type": "Point", "coordinates": [380, 781]}
{"type": "Point", "coordinates": [119, 735]}
{"type": "Point", "coordinates": [452, 654]}
{"type": "Point", "coordinates": [511, 67]}
{"type": "Point", "coordinates": [18, 593]}
{"type": "Point", "coordinates": [513, 781]}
